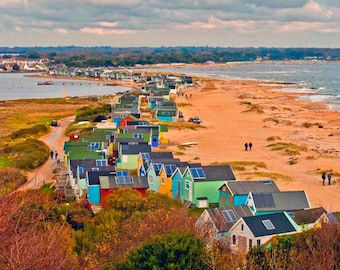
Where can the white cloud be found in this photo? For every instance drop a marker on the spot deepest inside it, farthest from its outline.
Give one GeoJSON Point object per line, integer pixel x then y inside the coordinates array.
{"type": "Point", "coordinates": [61, 31]}
{"type": "Point", "coordinates": [241, 19]}
{"type": "Point", "coordinates": [104, 31]}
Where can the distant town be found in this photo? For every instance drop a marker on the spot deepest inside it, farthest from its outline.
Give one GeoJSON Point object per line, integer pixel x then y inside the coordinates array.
{"type": "Point", "coordinates": [37, 59]}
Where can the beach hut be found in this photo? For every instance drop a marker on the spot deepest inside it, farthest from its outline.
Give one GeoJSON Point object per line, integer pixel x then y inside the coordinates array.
{"type": "Point", "coordinates": [234, 193]}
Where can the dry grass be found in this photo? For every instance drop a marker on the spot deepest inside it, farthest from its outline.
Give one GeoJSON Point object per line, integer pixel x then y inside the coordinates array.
{"type": "Point", "coordinates": [271, 120]}
{"type": "Point", "coordinates": [252, 107]}
{"type": "Point", "coordinates": [184, 125]}
{"type": "Point", "coordinates": [273, 138]}
{"type": "Point", "coordinates": [20, 114]}
{"type": "Point", "coordinates": [243, 165]}
{"type": "Point", "coordinates": [289, 149]}
{"type": "Point", "coordinates": [183, 104]}
{"type": "Point", "coordinates": [209, 86]}
{"type": "Point", "coordinates": [308, 125]}
{"type": "Point", "coordinates": [266, 176]}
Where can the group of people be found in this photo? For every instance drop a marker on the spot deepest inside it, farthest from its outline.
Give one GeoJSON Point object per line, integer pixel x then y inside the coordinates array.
{"type": "Point", "coordinates": [248, 145]}
{"type": "Point", "coordinates": [329, 177]}
{"type": "Point", "coordinates": [184, 95]}
{"type": "Point", "coordinates": [54, 154]}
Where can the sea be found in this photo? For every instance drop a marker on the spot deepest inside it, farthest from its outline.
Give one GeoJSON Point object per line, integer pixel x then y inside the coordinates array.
{"type": "Point", "coordinates": [20, 86]}
{"type": "Point", "coordinates": [316, 81]}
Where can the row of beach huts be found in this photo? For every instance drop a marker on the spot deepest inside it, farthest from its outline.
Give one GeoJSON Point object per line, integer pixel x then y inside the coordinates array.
{"type": "Point", "coordinates": [127, 154]}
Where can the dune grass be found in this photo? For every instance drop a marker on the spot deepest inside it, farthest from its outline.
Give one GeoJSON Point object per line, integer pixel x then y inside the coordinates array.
{"type": "Point", "coordinates": [273, 138]}
{"type": "Point", "coordinates": [26, 155]}
{"type": "Point", "coordinates": [289, 149]}
{"type": "Point", "coordinates": [266, 175]}
{"type": "Point", "coordinates": [184, 125]}
{"type": "Point", "coordinates": [83, 129]}
{"type": "Point", "coordinates": [309, 125]}
{"type": "Point", "coordinates": [243, 165]}
{"type": "Point", "coordinates": [271, 120]}
{"type": "Point", "coordinates": [26, 113]}
{"type": "Point", "coordinates": [183, 104]}
{"type": "Point", "coordinates": [252, 107]}
{"type": "Point", "coordinates": [209, 86]}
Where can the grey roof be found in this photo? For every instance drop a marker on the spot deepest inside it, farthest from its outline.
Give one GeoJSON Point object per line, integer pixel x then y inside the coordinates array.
{"type": "Point", "coordinates": [126, 140]}
{"type": "Point", "coordinates": [139, 130]}
{"type": "Point", "coordinates": [135, 149]}
{"type": "Point", "coordinates": [280, 201]}
{"type": "Point", "coordinates": [110, 182]}
{"type": "Point", "coordinates": [279, 221]}
{"type": "Point", "coordinates": [221, 223]}
{"type": "Point", "coordinates": [244, 187]}
{"type": "Point", "coordinates": [190, 165]}
{"type": "Point", "coordinates": [166, 112]}
{"type": "Point", "coordinates": [87, 165]}
{"type": "Point", "coordinates": [93, 176]}
{"type": "Point", "coordinates": [217, 173]}
{"type": "Point", "coordinates": [177, 164]}
{"type": "Point", "coordinates": [161, 155]}
{"type": "Point", "coordinates": [307, 216]}
{"type": "Point", "coordinates": [135, 123]}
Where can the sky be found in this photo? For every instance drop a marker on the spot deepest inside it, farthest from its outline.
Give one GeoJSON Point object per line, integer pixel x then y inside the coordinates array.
{"type": "Point", "coordinates": [155, 23]}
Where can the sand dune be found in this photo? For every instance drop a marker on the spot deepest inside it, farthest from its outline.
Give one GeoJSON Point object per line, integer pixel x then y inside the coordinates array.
{"type": "Point", "coordinates": [236, 112]}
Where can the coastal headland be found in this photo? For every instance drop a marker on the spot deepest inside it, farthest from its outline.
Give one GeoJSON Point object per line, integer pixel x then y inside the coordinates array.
{"type": "Point", "coordinates": [293, 141]}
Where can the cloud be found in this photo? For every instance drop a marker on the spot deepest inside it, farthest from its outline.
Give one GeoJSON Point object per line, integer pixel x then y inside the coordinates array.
{"type": "Point", "coordinates": [241, 19]}
{"type": "Point", "coordinates": [61, 31]}
{"type": "Point", "coordinates": [104, 31]}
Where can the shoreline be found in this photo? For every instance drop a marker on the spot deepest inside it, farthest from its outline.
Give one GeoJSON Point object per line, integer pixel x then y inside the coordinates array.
{"type": "Point", "coordinates": [308, 129]}
{"type": "Point", "coordinates": [236, 111]}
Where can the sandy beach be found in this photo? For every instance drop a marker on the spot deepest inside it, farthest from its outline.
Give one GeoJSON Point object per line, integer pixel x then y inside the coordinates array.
{"type": "Point", "coordinates": [236, 112]}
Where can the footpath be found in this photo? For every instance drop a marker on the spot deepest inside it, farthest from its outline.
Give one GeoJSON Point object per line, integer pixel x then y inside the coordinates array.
{"type": "Point", "coordinates": [55, 141]}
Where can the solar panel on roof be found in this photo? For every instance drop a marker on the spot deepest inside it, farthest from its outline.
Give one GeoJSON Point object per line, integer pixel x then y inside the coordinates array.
{"type": "Point", "coordinates": [145, 156]}
{"type": "Point", "coordinates": [268, 224]}
{"type": "Point", "coordinates": [169, 169]}
{"type": "Point", "coordinates": [157, 166]}
{"type": "Point", "coordinates": [122, 173]}
{"type": "Point", "coordinates": [229, 215]}
{"type": "Point", "coordinates": [194, 172]}
{"type": "Point", "coordinates": [123, 180]}
{"type": "Point", "coordinates": [197, 173]}
{"type": "Point", "coordinates": [232, 215]}
{"type": "Point", "coordinates": [226, 216]}
{"type": "Point", "coordinates": [200, 172]}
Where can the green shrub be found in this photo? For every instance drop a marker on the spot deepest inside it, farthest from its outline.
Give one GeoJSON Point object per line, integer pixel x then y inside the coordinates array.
{"type": "Point", "coordinates": [27, 132]}
{"type": "Point", "coordinates": [27, 155]}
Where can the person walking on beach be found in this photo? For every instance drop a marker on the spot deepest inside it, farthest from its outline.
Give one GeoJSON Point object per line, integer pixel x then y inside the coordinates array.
{"type": "Point", "coordinates": [323, 178]}
{"type": "Point", "coordinates": [51, 154]}
{"type": "Point", "coordinates": [250, 146]}
{"type": "Point", "coordinates": [56, 155]}
{"type": "Point", "coordinates": [246, 146]}
{"type": "Point", "coordinates": [329, 176]}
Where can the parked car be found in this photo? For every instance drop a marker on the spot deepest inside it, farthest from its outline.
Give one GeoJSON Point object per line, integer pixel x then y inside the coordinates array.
{"type": "Point", "coordinates": [54, 123]}
{"type": "Point", "coordinates": [195, 120]}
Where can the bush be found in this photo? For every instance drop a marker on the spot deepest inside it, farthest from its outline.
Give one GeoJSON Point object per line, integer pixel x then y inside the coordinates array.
{"type": "Point", "coordinates": [11, 179]}
{"type": "Point", "coordinates": [27, 132]}
{"type": "Point", "coordinates": [29, 154]}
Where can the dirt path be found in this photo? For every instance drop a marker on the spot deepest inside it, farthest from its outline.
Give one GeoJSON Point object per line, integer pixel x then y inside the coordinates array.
{"type": "Point", "coordinates": [55, 141]}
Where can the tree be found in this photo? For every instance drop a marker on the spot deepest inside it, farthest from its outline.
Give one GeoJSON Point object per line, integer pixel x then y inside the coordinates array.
{"type": "Point", "coordinates": [33, 233]}
{"type": "Point", "coordinates": [169, 251]}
